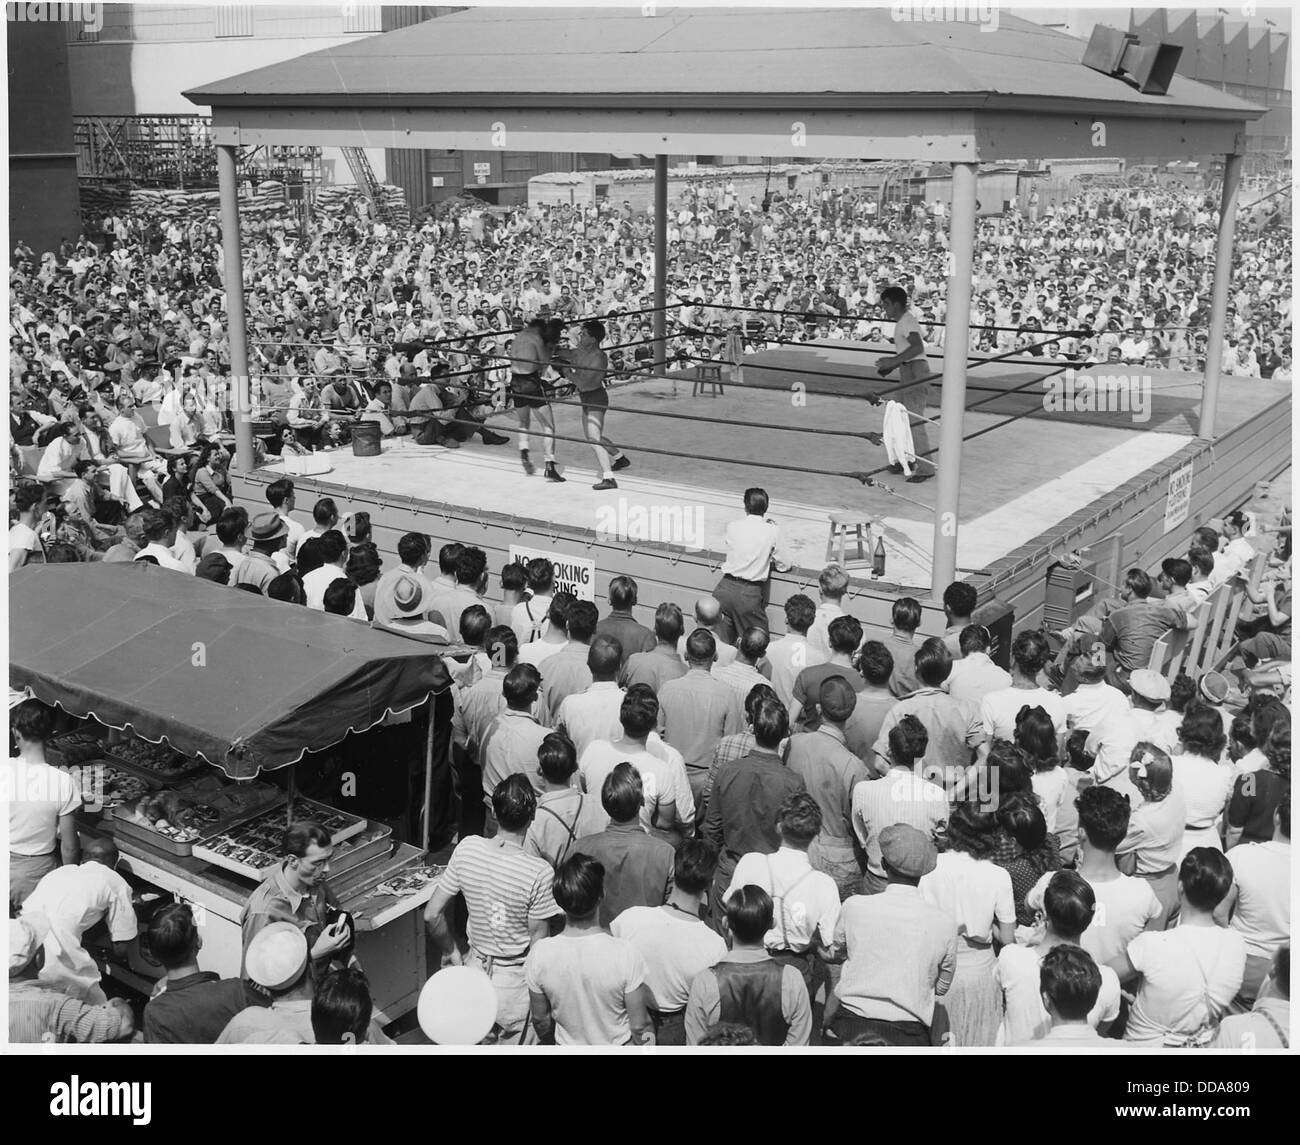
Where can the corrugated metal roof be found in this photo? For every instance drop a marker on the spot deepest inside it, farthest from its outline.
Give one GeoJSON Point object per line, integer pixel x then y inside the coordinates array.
{"type": "Point", "coordinates": [720, 57]}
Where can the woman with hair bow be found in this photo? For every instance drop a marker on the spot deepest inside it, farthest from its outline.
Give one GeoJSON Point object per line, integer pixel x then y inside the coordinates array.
{"type": "Point", "coordinates": [1153, 846]}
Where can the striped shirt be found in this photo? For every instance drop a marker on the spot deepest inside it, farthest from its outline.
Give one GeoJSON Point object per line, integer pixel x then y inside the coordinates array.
{"type": "Point", "coordinates": [900, 797]}
{"type": "Point", "coordinates": [40, 1015]}
{"type": "Point", "coordinates": [505, 889]}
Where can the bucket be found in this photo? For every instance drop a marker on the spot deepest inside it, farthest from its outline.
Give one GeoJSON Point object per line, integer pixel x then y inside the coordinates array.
{"type": "Point", "coordinates": [365, 439]}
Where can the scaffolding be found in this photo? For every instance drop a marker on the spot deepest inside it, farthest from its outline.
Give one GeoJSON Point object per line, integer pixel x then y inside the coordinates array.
{"type": "Point", "coordinates": [177, 151]}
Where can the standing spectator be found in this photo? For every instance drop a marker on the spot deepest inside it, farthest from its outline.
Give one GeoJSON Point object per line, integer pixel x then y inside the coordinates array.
{"type": "Point", "coordinates": [567, 672]}
{"type": "Point", "coordinates": [832, 584]}
{"type": "Point", "coordinates": [830, 772]}
{"type": "Point", "coordinates": [959, 600]}
{"type": "Point", "coordinates": [806, 902]}
{"type": "Point", "coordinates": [661, 663]}
{"type": "Point", "coordinates": [674, 941]}
{"type": "Point", "coordinates": [754, 548]}
{"type": "Point", "coordinates": [974, 675]}
{"type": "Point", "coordinates": [42, 802]}
{"type": "Point", "coordinates": [669, 808]}
{"type": "Point", "coordinates": [586, 986]}
{"type": "Point", "coordinates": [1126, 905]}
{"type": "Point", "coordinates": [510, 743]}
{"type": "Point", "coordinates": [696, 711]}
{"type": "Point", "coordinates": [1257, 795]}
{"type": "Point", "coordinates": [633, 637]}
{"type": "Point", "coordinates": [564, 812]}
{"type": "Point", "coordinates": [638, 867]}
{"type": "Point", "coordinates": [748, 986]}
{"type": "Point", "coordinates": [1030, 654]}
{"type": "Point", "coordinates": [742, 674]}
{"type": "Point", "coordinates": [1070, 908]}
{"type": "Point", "coordinates": [189, 1006]}
{"type": "Point", "coordinates": [793, 652]}
{"type": "Point", "coordinates": [874, 701]}
{"type": "Point", "coordinates": [900, 952]}
{"type": "Point", "coordinates": [746, 795]}
{"type": "Point", "coordinates": [845, 637]}
{"type": "Point", "coordinates": [1259, 904]}
{"type": "Point", "coordinates": [1204, 781]}
{"type": "Point", "coordinates": [905, 617]}
{"type": "Point", "coordinates": [976, 895]}
{"type": "Point", "coordinates": [1190, 974]}
{"type": "Point", "coordinates": [954, 727]}
{"type": "Point", "coordinates": [593, 714]}
{"type": "Point", "coordinates": [509, 901]}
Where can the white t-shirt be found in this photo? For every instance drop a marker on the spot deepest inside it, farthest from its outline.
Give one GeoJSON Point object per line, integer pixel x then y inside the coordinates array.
{"type": "Point", "coordinates": [662, 770]}
{"type": "Point", "coordinates": [1189, 976]}
{"type": "Point", "coordinates": [23, 538]}
{"type": "Point", "coordinates": [998, 710]}
{"type": "Point", "coordinates": [1050, 788]}
{"type": "Point", "coordinates": [1124, 907]}
{"type": "Point", "coordinates": [318, 580]}
{"type": "Point", "coordinates": [1017, 972]}
{"type": "Point", "coordinates": [1262, 915]}
{"type": "Point", "coordinates": [806, 901]}
{"type": "Point", "coordinates": [974, 893]}
{"type": "Point", "coordinates": [587, 980]}
{"type": "Point", "coordinates": [538, 652]}
{"type": "Point", "coordinates": [1091, 706]}
{"type": "Point", "coordinates": [37, 795]}
{"type": "Point", "coordinates": [675, 948]}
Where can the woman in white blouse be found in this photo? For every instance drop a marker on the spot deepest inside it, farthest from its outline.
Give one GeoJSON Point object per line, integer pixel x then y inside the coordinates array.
{"type": "Point", "coordinates": [1204, 783]}
{"type": "Point", "coordinates": [1190, 974]}
{"type": "Point", "coordinates": [1153, 846]}
{"type": "Point", "coordinates": [976, 894]}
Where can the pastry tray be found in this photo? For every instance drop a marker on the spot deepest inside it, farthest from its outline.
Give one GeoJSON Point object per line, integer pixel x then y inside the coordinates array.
{"type": "Point", "coordinates": [251, 845]}
{"type": "Point", "coordinates": [150, 838]}
{"type": "Point", "coordinates": [235, 802]}
{"type": "Point", "coordinates": [161, 778]}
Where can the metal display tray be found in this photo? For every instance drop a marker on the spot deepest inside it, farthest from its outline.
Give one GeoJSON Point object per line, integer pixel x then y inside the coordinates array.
{"type": "Point", "coordinates": [161, 778]}
{"type": "Point", "coordinates": [251, 845]}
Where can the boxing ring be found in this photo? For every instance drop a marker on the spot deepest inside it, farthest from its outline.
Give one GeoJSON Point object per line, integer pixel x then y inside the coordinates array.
{"type": "Point", "coordinates": [1012, 489]}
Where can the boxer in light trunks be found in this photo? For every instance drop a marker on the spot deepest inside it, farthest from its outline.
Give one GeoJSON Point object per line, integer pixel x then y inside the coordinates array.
{"type": "Point", "coordinates": [911, 365]}
{"type": "Point", "coordinates": [530, 354]}
{"type": "Point", "coordinates": [586, 368]}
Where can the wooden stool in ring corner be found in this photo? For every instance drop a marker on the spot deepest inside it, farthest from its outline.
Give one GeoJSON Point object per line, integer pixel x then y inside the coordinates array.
{"type": "Point", "coordinates": [707, 374]}
{"type": "Point", "coordinates": [842, 522]}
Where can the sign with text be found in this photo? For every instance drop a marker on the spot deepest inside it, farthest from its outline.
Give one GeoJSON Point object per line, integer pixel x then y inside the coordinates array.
{"type": "Point", "coordinates": [482, 168]}
{"type": "Point", "coordinates": [1178, 503]}
{"type": "Point", "coordinates": [572, 574]}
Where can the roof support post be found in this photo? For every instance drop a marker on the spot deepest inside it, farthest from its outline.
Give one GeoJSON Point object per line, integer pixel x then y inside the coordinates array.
{"type": "Point", "coordinates": [660, 318]}
{"type": "Point", "coordinates": [956, 349]}
{"type": "Point", "coordinates": [239, 385]}
{"type": "Point", "coordinates": [1232, 165]}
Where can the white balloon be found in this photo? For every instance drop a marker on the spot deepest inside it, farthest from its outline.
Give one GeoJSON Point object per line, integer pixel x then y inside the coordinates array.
{"type": "Point", "coordinates": [458, 1006]}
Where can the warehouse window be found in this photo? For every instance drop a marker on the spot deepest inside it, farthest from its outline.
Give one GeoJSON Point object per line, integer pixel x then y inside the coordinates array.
{"type": "Point", "coordinates": [234, 20]}
{"type": "Point", "coordinates": [363, 18]}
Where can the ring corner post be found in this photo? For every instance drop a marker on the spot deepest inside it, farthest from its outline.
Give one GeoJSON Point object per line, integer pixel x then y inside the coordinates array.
{"type": "Point", "coordinates": [240, 385]}
{"type": "Point", "coordinates": [956, 348]}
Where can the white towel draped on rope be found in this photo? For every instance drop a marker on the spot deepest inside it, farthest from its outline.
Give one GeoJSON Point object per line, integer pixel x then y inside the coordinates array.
{"type": "Point", "coordinates": [897, 432]}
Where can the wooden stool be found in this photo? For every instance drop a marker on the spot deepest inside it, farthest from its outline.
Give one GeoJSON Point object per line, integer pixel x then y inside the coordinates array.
{"type": "Point", "coordinates": [841, 523]}
{"type": "Point", "coordinates": [707, 374]}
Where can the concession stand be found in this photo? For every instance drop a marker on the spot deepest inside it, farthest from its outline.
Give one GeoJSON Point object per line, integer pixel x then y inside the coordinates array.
{"type": "Point", "coordinates": [200, 721]}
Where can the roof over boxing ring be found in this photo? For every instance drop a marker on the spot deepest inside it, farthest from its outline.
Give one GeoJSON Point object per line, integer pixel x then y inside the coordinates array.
{"type": "Point", "coordinates": [828, 83]}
